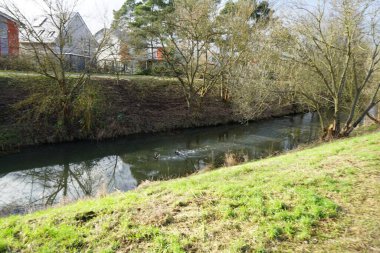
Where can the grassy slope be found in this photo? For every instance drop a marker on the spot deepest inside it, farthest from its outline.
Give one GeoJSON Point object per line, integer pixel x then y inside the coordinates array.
{"type": "Point", "coordinates": [11, 134]}
{"type": "Point", "coordinates": [140, 79]}
{"type": "Point", "coordinates": [324, 199]}
{"type": "Point", "coordinates": [134, 104]}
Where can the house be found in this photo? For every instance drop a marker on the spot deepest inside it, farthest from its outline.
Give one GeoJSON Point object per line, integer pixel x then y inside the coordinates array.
{"type": "Point", "coordinates": [9, 36]}
{"type": "Point", "coordinates": [155, 53]}
{"type": "Point", "coordinates": [79, 45]}
{"type": "Point", "coordinates": [111, 57]}
{"type": "Point", "coordinates": [119, 56]}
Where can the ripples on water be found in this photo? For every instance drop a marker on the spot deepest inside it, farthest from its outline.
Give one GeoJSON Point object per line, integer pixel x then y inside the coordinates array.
{"type": "Point", "coordinates": [46, 175]}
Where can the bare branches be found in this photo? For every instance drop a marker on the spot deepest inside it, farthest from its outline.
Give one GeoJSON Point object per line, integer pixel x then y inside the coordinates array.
{"type": "Point", "coordinates": [188, 37]}
{"type": "Point", "coordinates": [339, 42]}
{"type": "Point", "coordinates": [59, 42]}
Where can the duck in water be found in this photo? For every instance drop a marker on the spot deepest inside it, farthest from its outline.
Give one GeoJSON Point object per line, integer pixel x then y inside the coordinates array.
{"type": "Point", "coordinates": [156, 155]}
{"type": "Point", "coordinates": [179, 153]}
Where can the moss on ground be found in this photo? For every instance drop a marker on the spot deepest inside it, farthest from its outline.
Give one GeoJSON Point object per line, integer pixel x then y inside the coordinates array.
{"type": "Point", "coordinates": [323, 199]}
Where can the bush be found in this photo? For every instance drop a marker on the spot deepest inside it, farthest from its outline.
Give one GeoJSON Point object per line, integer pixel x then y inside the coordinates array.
{"type": "Point", "coordinates": [145, 72]}
{"type": "Point", "coordinates": [19, 63]}
{"type": "Point", "coordinates": [156, 69]}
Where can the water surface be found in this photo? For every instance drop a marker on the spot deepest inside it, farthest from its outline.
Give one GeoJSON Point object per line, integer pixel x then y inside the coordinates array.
{"type": "Point", "coordinates": [47, 175]}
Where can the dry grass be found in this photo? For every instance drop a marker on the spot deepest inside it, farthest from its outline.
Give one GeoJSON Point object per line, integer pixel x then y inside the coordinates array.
{"type": "Point", "coordinates": [230, 160]}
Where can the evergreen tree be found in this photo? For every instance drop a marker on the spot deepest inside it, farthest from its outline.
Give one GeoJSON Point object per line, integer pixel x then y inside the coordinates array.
{"type": "Point", "coordinates": [262, 11]}
{"type": "Point", "coordinates": [140, 18]}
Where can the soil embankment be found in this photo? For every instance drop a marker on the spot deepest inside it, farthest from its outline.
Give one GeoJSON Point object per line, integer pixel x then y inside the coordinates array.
{"type": "Point", "coordinates": [129, 106]}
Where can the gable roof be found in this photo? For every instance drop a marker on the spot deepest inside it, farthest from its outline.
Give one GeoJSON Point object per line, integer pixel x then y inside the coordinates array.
{"type": "Point", "coordinates": [48, 31]}
{"type": "Point", "coordinates": [6, 16]}
{"type": "Point", "coordinates": [45, 29]}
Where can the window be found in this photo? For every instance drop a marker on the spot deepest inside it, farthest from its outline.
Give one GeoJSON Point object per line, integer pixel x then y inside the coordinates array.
{"type": "Point", "coordinates": [69, 40]}
{"type": "Point", "coordinates": [4, 39]}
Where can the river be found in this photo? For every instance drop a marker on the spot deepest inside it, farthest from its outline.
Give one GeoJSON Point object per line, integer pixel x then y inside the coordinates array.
{"type": "Point", "coordinates": [41, 176]}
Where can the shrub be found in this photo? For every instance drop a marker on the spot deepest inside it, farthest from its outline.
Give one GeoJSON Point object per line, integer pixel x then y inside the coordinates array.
{"type": "Point", "coordinates": [20, 63]}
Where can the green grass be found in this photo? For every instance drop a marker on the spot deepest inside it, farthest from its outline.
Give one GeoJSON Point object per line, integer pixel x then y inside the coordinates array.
{"type": "Point", "coordinates": [8, 137]}
{"type": "Point", "coordinates": [323, 199]}
{"type": "Point", "coordinates": [19, 126]}
{"type": "Point", "coordinates": [139, 79]}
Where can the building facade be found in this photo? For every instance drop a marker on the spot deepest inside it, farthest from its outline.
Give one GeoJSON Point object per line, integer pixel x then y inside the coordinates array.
{"type": "Point", "coordinates": [9, 36]}
{"type": "Point", "coordinates": [78, 47]}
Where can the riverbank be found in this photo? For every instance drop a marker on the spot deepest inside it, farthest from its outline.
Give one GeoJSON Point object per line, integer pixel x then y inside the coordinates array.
{"type": "Point", "coordinates": [322, 199]}
{"type": "Point", "coordinates": [133, 104]}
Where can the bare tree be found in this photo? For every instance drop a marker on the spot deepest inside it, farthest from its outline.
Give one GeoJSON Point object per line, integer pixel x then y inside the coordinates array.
{"type": "Point", "coordinates": [186, 37]}
{"type": "Point", "coordinates": [335, 48]}
{"type": "Point", "coordinates": [189, 36]}
{"type": "Point", "coordinates": [51, 44]}
{"type": "Point", "coordinates": [254, 80]}
{"type": "Point", "coordinates": [205, 46]}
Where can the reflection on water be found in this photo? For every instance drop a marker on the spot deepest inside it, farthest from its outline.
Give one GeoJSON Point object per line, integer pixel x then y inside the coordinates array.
{"type": "Point", "coordinates": [39, 187]}
{"type": "Point", "coordinates": [47, 175]}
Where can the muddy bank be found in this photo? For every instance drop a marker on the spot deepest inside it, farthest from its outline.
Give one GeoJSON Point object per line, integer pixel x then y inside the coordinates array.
{"type": "Point", "coordinates": [129, 106]}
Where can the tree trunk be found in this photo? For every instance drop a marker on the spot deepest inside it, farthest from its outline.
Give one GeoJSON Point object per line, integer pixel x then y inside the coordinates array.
{"type": "Point", "coordinates": [188, 101]}
{"type": "Point", "coordinates": [65, 176]}
{"type": "Point", "coordinates": [67, 119]}
{"type": "Point", "coordinates": [328, 133]}
{"type": "Point", "coordinates": [346, 131]}
{"type": "Point", "coordinates": [336, 122]}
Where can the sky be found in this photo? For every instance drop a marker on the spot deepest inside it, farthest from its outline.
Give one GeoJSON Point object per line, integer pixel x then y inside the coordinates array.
{"type": "Point", "coordinates": [96, 13]}
{"type": "Point", "coordinates": [99, 13]}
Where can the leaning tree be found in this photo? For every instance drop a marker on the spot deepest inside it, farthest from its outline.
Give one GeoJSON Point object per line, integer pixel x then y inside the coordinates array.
{"type": "Point", "coordinates": [334, 50]}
